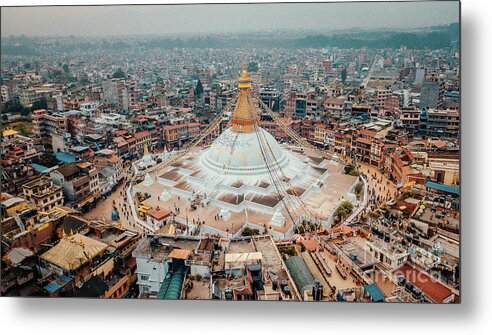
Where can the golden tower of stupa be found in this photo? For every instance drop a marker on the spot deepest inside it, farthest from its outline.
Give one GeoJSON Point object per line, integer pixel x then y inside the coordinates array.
{"type": "Point", "coordinates": [244, 116]}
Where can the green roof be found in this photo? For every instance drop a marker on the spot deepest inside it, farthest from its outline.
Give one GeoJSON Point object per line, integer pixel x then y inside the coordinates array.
{"type": "Point", "coordinates": [172, 284]}
{"type": "Point", "coordinates": [164, 286]}
{"type": "Point", "coordinates": [174, 290]}
{"type": "Point", "coordinates": [299, 272]}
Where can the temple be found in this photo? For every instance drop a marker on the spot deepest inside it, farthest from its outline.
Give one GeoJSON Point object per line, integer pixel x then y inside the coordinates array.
{"type": "Point", "coordinates": [245, 179]}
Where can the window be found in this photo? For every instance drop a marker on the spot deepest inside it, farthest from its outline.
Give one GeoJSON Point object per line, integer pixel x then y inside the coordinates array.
{"type": "Point", "coordinates": [144, 277]}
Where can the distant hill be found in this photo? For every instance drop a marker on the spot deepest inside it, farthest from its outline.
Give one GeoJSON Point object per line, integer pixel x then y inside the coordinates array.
{"type": "Point", "coordinates": [436, 37]}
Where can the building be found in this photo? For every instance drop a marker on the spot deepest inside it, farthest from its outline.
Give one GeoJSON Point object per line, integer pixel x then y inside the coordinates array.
{"type": "Point", "coordinates": [4, 93]}
{"type": "Point", "coordinates": [163, 262]}
{"type": "Point", "coordinates": [45, 125]}
{"type": "Point", "coordinates": [442, 123]}
{"type": "Point", "coordinates": [432, 92]}
{"type": "Point", "coordinates": [334, 107]}
{"type": "Point", "coordinates": [43, 194]}
{"type": "Point", "coordinates": [80, 182]}
{"type": "Point", "coordinates": [410, 119]}
{"type": "Point", "coordinates": [179, 134]}
{"type": "Point", "coordinates": [270, 97]}
{"type": "Point", "coordinates": [227, 187]}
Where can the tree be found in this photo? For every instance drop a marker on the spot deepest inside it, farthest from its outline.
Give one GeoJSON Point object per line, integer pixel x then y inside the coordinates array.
{"type": "Point", "coordinates": [343, 210]}
{"type": "Point", "coordinates": [358, 189]}
{"type": "Point", "coordinates": [199, 88]}
{"type": "Point", "coordinates": [119, 74]}
{"type": "Point", "coordinates": [39, 104]}
{"type": "Point", "coordinates": [24, 128]}
{"type": "Point", "coordinates": [13, 107]}
{"type": "Point", "coordinates": [351, 170]}
{"type": "Point", "coordinates": [252, 67]}
{"type": "Point", "coordinates": [344, 75]}
{"type": "Point", "coordinates": [66, 69]}
{"type": "Point", "coordinates": [250, 232]}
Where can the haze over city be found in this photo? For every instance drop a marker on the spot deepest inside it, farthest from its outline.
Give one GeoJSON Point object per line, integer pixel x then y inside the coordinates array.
{"type": "Point", "coordinates": [222, 18]}
{"type": "Point", "coordinates": [288, 152]}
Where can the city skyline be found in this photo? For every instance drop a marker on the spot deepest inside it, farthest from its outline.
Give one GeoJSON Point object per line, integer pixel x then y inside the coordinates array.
{"type": "Point", "coordinates": [92, 21]}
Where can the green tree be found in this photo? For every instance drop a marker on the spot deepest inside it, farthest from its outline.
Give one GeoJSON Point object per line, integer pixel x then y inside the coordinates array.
{"type": "Point", "coordinates": [24, 128]}
{"type": "Point", "coordinates": [351, 170]}
{"type": "Point", "coordinates": [253, 67]}
{"type": "Point", "coordinates": [250, 232]}
{"type": "Point", "coordinates": [119, 74]}
{"type": "Point", "coordinates": [39, 104]}
{"type": "Point", "coordinates": [66, 69]}
{"type": "Point", "coordinates": [343, 210]}
{"type": "Point", "coordinates": [13, 107]}
{"type": "Point", "coordinates": [199, 88]}
{"type": "Point", "coordinates": [343, 75]}
{"type": "Point", "coordinates": [358, 189]}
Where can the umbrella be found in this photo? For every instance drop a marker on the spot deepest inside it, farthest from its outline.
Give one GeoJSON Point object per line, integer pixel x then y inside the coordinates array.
{"type": "Point", "coordinates": [298, 238]}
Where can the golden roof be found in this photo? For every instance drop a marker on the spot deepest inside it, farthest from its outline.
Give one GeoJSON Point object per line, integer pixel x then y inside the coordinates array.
{"type": "Point", "coordinates": [9, 132]}
{"type": "Point", "coordinates": [244, 116]}
{"type": "Point", "coordinates": [74, 251]}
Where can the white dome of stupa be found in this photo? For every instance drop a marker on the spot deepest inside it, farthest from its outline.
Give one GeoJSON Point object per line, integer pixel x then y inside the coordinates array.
{"type": "Point", "coordinates": [241, 153]}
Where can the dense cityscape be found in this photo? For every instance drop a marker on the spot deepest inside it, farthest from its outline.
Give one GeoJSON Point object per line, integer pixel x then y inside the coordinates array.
{"type": "Point", "coordinates": [240, 167]}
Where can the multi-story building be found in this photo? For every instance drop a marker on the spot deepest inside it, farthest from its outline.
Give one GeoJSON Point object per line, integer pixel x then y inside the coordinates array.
{"type": "Point", "coordinates": [43, 194]}
{"type": "Point", "coordinates": [4, 93]}
{"type": "Point", "coordinates": [363, 145]}
{"type": "Point", "coordinates": [270, 97]}
{"type": "Point", "coordinates": [44, 125]}
{"type": "Point", "coordinates": [178, 134]}
{"type": "Point", "coordinates": [143, 139]}
{"type": "Point", "coordinates": [363, 112]}
{"type": "Point", "coordinates": [410, 119]}
{"type": "Point", "coordinates": [432, 92]}
{"type": "Point", "coordinates": [80, 182]}
{"type": "Point", "coordinates": [401, 159]}
{"type": "Point", "coordinates": [443, 123]}
{"type": "Point", "coordinates": [334, 107]}
{"type": "Point", "coordinates": [382, 96]}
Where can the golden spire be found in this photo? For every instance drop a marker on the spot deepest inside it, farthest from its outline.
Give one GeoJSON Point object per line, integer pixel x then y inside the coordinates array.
{"type": "Point", "coordinates": [244, 116]}
{"type": "Point", "coordinates": [146, 150]}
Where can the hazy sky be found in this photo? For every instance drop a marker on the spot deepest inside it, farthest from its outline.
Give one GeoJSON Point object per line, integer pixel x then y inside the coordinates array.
{"type": "Point", "coordinates": [172, 19]}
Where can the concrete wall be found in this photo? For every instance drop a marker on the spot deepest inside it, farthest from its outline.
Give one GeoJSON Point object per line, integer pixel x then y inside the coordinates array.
{"type": "Point", "coordinates": [156, 271]}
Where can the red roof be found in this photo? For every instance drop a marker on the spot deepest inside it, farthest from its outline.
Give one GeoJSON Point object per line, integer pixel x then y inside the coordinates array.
{"type": "Point", "coordinates": [141, 134]}
{"type": "Point", "coordinates": [311, 244]}
{"type": "Point", "coordinates": [370, 133]}
{"type": "Point", "coordinates": [158, 213]}
{"type": "Point", "coordinates": [364, 140]}
{"type": "Point", "coordinates": [430, 286]}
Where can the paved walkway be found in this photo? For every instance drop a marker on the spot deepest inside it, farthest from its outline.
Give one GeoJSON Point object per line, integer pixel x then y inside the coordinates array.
{"type": "Point", "coordinates": [383, 189]}
{"type": "Point", "coordinates": [117, 199]}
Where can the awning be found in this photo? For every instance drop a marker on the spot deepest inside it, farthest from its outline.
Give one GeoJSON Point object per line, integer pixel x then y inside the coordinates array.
{"type": "Point", "coordinates": [443, 188]}
{"type": "Point", "coordinates": [86, 201]}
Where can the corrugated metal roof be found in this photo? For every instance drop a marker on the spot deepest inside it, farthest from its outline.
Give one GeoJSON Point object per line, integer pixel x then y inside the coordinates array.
{"type": "Point", "coordinates": [299, 272]}
{"type": "Point", "coordinates": [443, 188]}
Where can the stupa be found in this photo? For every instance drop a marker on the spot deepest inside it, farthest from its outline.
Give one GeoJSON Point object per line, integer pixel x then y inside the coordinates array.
{"type": "Point", "coordinates": [247, 174]}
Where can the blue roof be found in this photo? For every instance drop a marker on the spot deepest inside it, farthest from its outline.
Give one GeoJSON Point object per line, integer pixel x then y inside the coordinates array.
{"type": "Point", "coordinates": [53, 287]}
{"type": "Point", "coordinates": [58, 283]}
{"type": "Point", "coordinates": [375, 293]}
{"type": "Point", "coordinates": [39, 168]}
{"type": "Point", "coordinates": [443, 188]}
{"type": "Point", "coordinates": [65, 157]}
